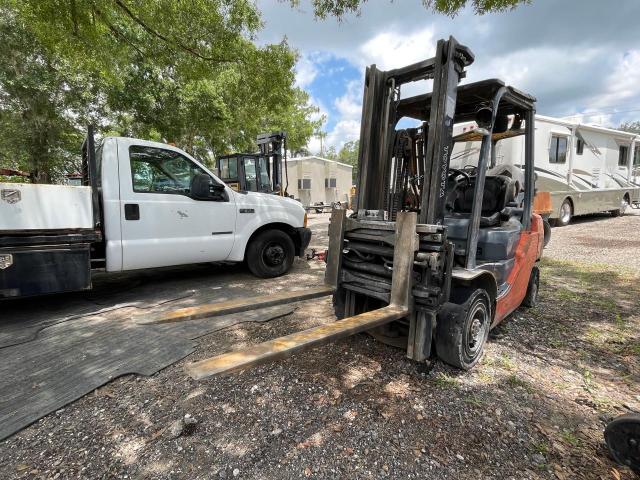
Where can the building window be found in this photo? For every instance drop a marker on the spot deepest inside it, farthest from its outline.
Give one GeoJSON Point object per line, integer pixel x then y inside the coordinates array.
{"type": "Point", "coordinates": [579, 146]}
{"type": "Point", "coordinates": [329, 183]}
{"type": "Point", "coordinates": [304, 184]}
{"type": "Point", "coordinates": [623, 153]}
{"type": "Point", "coordinates": [558, 149]}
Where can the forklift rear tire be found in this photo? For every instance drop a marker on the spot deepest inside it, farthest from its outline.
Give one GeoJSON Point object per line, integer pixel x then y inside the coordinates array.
{"type": "Point", "coordinates": [270, 254]}
{"type": "Point", "coordinates": [531, 298]}
{"type": "Point", "coordinates": [462, 329]}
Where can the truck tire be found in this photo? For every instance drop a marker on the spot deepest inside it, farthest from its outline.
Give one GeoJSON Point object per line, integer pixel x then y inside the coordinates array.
{"type": "Point", "coordinates": [270, 254]}
{"type": "Point", "coordinates": [462, 329]}
{"type": "Point", "coordinates": [565, 213]}
{"type": "Point", "coordinates": [531, 298]}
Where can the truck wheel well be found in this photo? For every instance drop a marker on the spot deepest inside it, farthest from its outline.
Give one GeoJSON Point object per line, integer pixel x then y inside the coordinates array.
{"type": "Point", "coordinates": [288, 229]}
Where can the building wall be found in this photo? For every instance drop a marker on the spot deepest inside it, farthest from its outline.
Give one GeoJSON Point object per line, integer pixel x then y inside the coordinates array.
{"type": "Point", "coordinates": [317, 169]}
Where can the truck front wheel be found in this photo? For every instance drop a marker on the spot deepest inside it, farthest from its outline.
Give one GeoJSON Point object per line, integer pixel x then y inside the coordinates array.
{"type": "Point", "coordinates": [270, 254]}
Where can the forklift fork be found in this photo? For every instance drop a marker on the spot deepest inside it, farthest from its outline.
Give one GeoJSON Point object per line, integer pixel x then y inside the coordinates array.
{"type": "Point", "coordinates": [399, 307]}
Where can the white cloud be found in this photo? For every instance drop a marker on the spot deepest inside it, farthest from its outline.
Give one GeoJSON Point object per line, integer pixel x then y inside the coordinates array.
{"type": "Point", "coordinates": [393, 49]}
{"type": "Point", "coordinates": [306, 71]}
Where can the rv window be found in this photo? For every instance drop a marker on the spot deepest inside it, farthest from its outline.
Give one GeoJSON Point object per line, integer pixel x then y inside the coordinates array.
{"type": "Point", "coordinates": [579, 146]}
{"type": "Point", "coordinates": [636, 156]}
{"type": "Point", "coordinates": [558, 149]}
{"type": "Point", "coordinates": [622, 155]}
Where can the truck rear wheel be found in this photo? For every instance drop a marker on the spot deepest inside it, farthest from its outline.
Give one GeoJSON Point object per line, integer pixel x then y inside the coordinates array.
{"type": "Point", "coordinates": [462, 330]}
{"type": "Point", "coordinates": [531, 298]}
{"type": "Point", "coordinates": [270, 254]}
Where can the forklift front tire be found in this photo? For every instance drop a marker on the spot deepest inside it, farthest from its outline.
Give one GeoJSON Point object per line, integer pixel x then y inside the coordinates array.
{"type": "Point", "coordinates": [270, 254]}
{"type": "Point", "coordinates": [462, 330]}
{"type": "Point", "coordinates": [531, 298]}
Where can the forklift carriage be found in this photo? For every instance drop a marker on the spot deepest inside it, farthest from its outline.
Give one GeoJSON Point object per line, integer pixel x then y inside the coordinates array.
{"type": "Point", "coordinates": [433, 256]}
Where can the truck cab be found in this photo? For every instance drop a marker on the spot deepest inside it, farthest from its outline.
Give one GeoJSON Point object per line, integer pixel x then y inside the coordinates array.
{"type": "Point", "coordinates": [146, 205]}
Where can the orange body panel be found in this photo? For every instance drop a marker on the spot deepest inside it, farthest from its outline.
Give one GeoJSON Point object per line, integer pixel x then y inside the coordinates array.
{"type": "Point", "coordinates": [542, 203]}
{"type": "Point", "coordinates": [528, 251]}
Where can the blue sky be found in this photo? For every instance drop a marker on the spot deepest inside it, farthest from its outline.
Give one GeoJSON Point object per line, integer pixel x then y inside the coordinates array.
{"type": "Point", "coordinates": [579, 58]}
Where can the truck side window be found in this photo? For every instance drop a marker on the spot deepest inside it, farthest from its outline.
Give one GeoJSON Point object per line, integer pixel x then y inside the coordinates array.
{"type": "Point", "coordinates": [156, 170]}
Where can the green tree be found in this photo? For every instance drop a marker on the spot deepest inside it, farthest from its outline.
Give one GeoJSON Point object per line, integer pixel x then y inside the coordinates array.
{"type": "Point", "coordinates": [340, 8]}
{"type": "Point", "coordinates": [349, 154]}
{"type": "Point", "coordinates": [633, 127]}
{"type": "Point", "coordinates": [183, 72]}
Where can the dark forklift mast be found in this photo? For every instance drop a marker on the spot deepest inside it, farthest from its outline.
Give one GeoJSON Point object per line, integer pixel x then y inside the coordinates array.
{"type": "Point", "coordinates": [378, 136]}
{"type": "Point", "coordinates": [273, 146]}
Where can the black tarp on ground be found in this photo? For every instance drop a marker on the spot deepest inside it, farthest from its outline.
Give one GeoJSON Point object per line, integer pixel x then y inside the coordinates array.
{"type": "Point", "coordinates": [70, 359]}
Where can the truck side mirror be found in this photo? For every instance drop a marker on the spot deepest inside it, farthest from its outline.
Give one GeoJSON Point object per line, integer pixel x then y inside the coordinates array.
{"type": "Point", "coordinates": [199, 188]}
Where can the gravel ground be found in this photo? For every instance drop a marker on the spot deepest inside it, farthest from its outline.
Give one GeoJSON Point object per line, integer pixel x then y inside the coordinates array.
{"type": "Point", "coordinates": [535, 406]}
{"type": "Point", "coordinates": [599, 240]}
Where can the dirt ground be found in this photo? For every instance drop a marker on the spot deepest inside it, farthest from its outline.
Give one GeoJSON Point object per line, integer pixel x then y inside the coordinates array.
{"type": "Point", "coordinates": [535, 407]}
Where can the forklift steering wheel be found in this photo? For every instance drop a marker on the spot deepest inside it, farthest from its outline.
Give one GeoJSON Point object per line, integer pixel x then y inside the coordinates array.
{"type": "Point", "coordinates": [455, 172]}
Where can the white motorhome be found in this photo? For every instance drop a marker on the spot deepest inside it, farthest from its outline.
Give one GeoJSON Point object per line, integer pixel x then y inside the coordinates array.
{"type": "Point", "coordinates": [586, 168]}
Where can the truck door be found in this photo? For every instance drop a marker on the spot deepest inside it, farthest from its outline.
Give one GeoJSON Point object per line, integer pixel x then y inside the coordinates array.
{"type": "Point", "coordinates": [161, 224]}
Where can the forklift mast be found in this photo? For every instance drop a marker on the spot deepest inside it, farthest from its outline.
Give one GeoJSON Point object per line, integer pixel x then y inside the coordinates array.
{"type": "Point", "coordinates": [273, 146]}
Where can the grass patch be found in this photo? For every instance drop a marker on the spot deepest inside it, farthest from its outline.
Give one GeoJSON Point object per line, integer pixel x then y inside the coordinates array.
{"type": "Point", "coordinates": [515, 381]}
{"type": "Point", "coordinates": [541, 447]}
{"type": "Point", "coordinates": [570, 438]}
{"type": "Point", "coordinates": [473, 400]}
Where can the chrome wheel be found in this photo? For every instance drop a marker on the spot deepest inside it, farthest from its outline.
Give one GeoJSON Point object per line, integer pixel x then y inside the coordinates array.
{"type": "Point", "coordinates": [565, 212]}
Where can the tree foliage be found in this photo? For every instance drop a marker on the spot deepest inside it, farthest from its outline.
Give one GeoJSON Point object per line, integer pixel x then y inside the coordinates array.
{"type": "Point", "coordinates": [348, 154]}
{"type": "Point", "coordinates": [339, 8]}
{"type": "Point", "coordinates": [186, 72]}
{"type": "Point", "coordinates": [633, 127]}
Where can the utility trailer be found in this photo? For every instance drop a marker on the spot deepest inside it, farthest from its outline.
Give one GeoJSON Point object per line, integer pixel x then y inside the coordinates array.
{"type": "Point", "coordinates": [433, 256]}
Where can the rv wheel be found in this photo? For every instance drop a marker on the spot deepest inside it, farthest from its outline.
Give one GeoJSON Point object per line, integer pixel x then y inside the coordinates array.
{"type": "Point", "coordinates": [462, 330]}
{"type": "Point", "coordinates": [623, 207]}
{"type": "Point", "coordinates": [566, 212]}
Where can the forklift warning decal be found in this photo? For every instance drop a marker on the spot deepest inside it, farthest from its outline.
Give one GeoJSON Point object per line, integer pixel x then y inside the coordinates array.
{"type": "Point", "coordinates": [443, 169]}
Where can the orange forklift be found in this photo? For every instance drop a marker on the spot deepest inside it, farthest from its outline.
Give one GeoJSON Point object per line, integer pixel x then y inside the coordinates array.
{"type": "Point", "coordinates": [433, 257]}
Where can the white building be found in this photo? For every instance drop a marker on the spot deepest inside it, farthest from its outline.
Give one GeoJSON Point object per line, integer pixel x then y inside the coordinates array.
{"type": "Point", "coordinates": [315, 180]}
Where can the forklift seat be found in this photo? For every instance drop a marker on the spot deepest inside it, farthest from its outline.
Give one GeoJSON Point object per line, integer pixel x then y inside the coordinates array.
{"type": "Point", "coordinates": [494, 244]}
{"type": "Point", "coordinates": [499, 191]}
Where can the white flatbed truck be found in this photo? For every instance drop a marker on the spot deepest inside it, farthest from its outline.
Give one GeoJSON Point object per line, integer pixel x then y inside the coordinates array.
{"type": "Point", "coordinates": [142, 205]}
